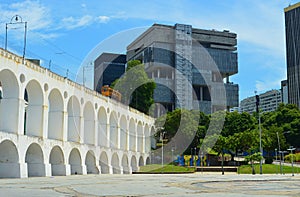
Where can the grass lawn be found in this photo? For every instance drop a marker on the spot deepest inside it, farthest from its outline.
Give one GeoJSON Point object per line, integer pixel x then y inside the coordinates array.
{"type": "Point", "coordinates": [267, 169]}
{"type": "Point", "coordinates": [156, 168]}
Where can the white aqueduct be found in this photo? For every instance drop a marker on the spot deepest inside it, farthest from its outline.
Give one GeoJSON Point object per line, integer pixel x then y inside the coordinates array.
{"type": "Point", "coordinates": [50, 125]}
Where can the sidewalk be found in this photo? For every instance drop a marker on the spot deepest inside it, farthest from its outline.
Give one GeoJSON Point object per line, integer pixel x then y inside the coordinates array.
{"type": "Point", "coordinates": [286, 164]}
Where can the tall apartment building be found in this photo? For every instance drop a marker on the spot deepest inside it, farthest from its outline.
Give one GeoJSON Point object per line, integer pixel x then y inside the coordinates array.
{"type": "Point", "coordinates": [188, 66]}
{"type": "Point", "coordinates": [269, 101]}
{"type": "Point", "coordinates": [292, 32]}
{"type": "Point", "coordinates": [107, 68]}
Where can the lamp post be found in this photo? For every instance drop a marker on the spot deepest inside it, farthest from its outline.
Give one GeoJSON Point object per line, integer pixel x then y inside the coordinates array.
{"type": "Point", "coordinates": [15, 20]}
{"type": "Point", "coordinates": [172, 159]}
{"type": "Point", "coordinates": [291, 149]}
{"type": "Point", "coordinates": [279, 151]}
{"type": "Point", "coordinates": [276, 159]}
{"type": "Point", "coordinates": [162, 149]}
{"type": "Point", "coordinates": [259, 125]}
{"type": "Point", "coordinates": [194, 160]}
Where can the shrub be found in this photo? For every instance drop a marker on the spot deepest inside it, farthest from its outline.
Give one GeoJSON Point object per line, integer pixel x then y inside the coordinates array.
{"type": "Point", "coordinates": [288, 158]}
{"type": "Point", "coordinates": [268, 160]}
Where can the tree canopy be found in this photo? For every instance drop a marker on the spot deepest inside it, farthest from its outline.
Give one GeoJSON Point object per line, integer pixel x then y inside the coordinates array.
{"type": "Point", "coordinates": [136, 87]}
{"type": "Point", "coordinates": [240, 132]}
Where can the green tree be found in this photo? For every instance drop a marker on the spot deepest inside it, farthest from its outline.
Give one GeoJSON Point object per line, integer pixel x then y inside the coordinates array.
{"type": "Point", "coordinates": [181, 126]}
{"type": "Point", "coordinates": [238, 122]}
{"type": "Point", "coordinates": [135, 86]}
{"type": "Point", "coordinates": [220, 146]}
{"type": "Point", "coordinates": [286, 121]}
{"type": "Point", "coordinates": [243, 141]}
{"type": "Point", "coordinates": [252, 158]}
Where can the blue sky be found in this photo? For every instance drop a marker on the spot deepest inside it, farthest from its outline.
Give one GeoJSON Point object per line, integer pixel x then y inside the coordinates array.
{"type": "Point", "coordinates": [66, 32]}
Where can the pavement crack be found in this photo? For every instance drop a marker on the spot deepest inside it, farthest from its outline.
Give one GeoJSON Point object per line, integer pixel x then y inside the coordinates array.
{"type": "Point", "coordinates": [71, 192]}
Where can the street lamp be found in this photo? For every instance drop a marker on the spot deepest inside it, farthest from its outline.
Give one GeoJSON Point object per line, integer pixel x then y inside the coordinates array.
{"type": "Point", "coordinates": [162, 134]}
{"type": "Point", "coordinates": [15, 20]}
{"type": "Point", "coordinates": [195, 157]}
{"type": "Point", "coordinates": [279, 151]}
{"type": "Point", "coordinates": [259, 125]}
{"type": "Point", "coordinates": [291, 149]}
{"type": "Point", "coordinates": [276, 159]}
{"type": "Point", "coordinates": [172, 159]}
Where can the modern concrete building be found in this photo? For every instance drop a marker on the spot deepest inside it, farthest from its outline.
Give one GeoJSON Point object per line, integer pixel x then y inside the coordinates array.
{"type": "Point", "coordinates": [292, 32]}
{"type": "Point", "coordinates": [107, 68]}
{"type": "Point", "coordinates": [284, 92]}
{"type": "Point", "coordinates": [269, 101]}
{"type": "Point", "coordinates": [50, 125]}
{"type": "Point", "coordinates": [190, 66]}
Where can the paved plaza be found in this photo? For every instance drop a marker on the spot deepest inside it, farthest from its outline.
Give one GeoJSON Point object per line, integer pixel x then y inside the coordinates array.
{"type": "Point", "coordinates": [197, 184]}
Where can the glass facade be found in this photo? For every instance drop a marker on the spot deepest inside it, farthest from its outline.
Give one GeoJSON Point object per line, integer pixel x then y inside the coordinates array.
{"type": "Point", "coordinates": [292, 31]}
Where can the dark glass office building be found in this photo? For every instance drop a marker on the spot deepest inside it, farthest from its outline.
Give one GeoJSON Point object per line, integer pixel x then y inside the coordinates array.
{"type": "Point", "coordinates": [292, 31]}
{"type": "Point", "coordinates": [107, 68]}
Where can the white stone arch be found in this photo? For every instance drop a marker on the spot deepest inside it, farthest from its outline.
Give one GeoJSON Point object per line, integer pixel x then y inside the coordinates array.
{"type": "Point", "coordinates": [148, 161]}
{"type": "Point", "coordinates": [34, 158]}
{"type": "Point", "coordinates": [104, 165]}
{"type": "Point", "coordinates": [147, 139]}
{"type": "Point", "coordinates": [102, 127]}
{"type": "Point", "coordinates": [141, 161]}
{"type": "Point", "coordinates": [132, 135]}
{"type": "Point", "coordinates": [75, 161]}
{"type": "Point", "coordinates": [115, 163]}
{"type": "Point", "coordinates": [152, 138]}
{"type": "Point", "coordinates": [113, 123]}
{"type": "Point", "coordinates": [9, 104]}
{"type": "Point", "coordinates": [125, 164]}
{"type": "Point", "coordinates": [33, 118]}
{"type": "Point", "coordinates": [89, 123]}
{"type": "Point", "coordinates": [9, 160]}
{"type": "Point", "coordinates": [55, 115]}
{"type": "Point", "coordinates": [133, 164]}
{"type": "Point", "coordinates": [123, 133]}
{"type": "Point", "coordinates": [73, 119]}
{"type": "Point", "coordinates": [140, 137]}
{"type": "Point", "coordinates": [57, 162]}
{"type": "Point", "coordinates": [90, 162]}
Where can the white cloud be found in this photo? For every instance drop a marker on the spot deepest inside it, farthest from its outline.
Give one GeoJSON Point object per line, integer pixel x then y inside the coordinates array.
{"type": "Point", "coordinates": [84, 21]}
{"type": "Point", "coordinates": [102, 19]}
{"type": "Point", "coordinates": [36, 15]}
{"type": "Point", "coordinates": [263, 86]}
{"type": "Point", "coordinates": [72, 23]}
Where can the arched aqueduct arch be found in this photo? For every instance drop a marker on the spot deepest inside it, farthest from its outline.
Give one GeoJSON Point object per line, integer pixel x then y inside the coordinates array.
{"type": "Point", "coordinates": [73, 119]}
{"type": "Point", "coordinates": [9, 160]}
{"type": "Point", "coordinates": [75, 161]}
{"type": "Point", "coordinates": [55, 115]}
{"type": "Point", "coordinates": [123, 133]}
{"type": "Point", "coordinates": [45, 132]}
{"type": "Point", "coordinates": [89, 123]}
{"type": "Point", "coordinates": [9, 102]}
{"type": "Point", "coordinates": [113, 122]}
{"type": "Point", "coordinates": [35, 160]}
{"type": "Point", "coordinates": [104, 164]}
{"type": "Point", "coordinates": [102, 128]}
{"type": "Point", "coordinates": [57, 161]}
{"type": "Point", "coordinates": [33, 117]}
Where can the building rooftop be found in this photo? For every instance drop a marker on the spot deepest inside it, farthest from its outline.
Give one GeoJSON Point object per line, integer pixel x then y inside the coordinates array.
{"type": "Point", "coordinates": [291, 7]}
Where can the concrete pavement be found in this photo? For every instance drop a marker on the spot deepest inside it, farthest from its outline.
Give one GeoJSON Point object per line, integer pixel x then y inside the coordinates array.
{"type": "Point", "coordinates": [198, 184]}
